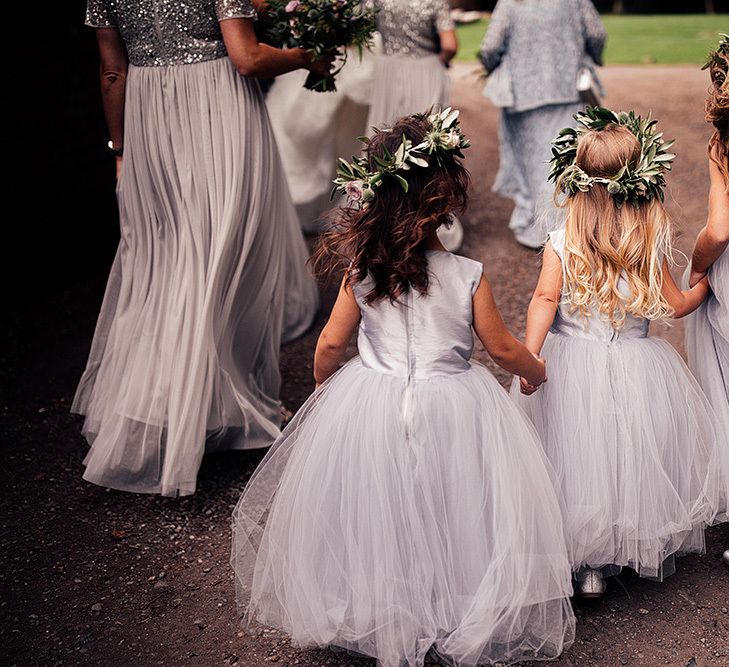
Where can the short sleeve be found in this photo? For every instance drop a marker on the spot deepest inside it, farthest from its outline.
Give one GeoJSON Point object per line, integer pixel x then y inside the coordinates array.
{"type": "Point", "coordinates": [443, 20]}
{"type": "Point", "coordinates": [477, 275]}
{"type": "Point", "coordinates": [98, 14]}
{"type": "Point", "coordinates": [234, 9]}
{"type": "Point", "coordinates": [556, 238]}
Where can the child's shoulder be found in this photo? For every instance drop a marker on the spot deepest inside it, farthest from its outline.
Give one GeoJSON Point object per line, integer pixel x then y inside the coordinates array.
{"type": "Point", "coordinates": [456, 267]}
{"type": "Point", "coordinates": [556, 240]}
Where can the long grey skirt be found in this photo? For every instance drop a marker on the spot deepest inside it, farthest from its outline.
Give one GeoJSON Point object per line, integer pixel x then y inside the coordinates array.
{"type": "Point", "coordinates": [707, 348]}
{"type": "Point", "coordinates": [209, 276]}
{"type": "Point", "coordinates": [525, 149]}
{"type": "Point", "coordinates": [408, 85]}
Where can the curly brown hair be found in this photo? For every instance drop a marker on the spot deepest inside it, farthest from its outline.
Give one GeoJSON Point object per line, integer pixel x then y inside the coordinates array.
{"type": "Point", "coordinates": [386, 241]}
{"type": "Point", "coordinates": [717, 111]}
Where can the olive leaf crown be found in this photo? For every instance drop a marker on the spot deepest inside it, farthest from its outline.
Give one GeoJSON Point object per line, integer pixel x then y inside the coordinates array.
{"type": "Point", "coordinates": [719, 57]}
{"type": "Point", "coordinates": [634, 183]}
{"type": "Point", "coordinates": [359, 183]}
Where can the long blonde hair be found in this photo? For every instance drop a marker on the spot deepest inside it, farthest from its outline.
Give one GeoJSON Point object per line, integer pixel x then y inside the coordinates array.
{"type": "Point", "coordinates": [604, 242]}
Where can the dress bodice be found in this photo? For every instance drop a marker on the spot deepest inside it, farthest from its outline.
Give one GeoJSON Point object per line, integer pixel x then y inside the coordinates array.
{"type": "Point", "coordinates": [168, 32]}
{"type": "Point", "coordinates": [595, 327]}
{"type": "Point", "coordinates": [411, 27]}
{"type": "Point", "coordinates": [421, 336]}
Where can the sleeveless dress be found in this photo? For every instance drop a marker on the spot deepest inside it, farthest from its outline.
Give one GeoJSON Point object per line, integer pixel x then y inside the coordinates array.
{"type": "Point", "coordinates": [707, 348]}
{"type": "Point", "coordinates": [630, 435]}
{"type": "Point", "coordinates": [211, 268]}
{"type": "Point", "coordinates": [408, 505]}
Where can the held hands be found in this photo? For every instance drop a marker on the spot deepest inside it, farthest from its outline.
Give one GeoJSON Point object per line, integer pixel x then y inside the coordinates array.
{"type": "Point", "coordinates": [528, 388]}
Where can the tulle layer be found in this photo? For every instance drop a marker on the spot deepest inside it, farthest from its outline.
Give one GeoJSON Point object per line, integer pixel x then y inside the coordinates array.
{"type": "Point", "coordinates": [210, 273]}
{"type": "Point", "coordinates": [405, 517]}
{"type": "Point", "coordinates": [707, 348]}
{"type": "Point", "coordinates": [631, 437]}
{"type": "Point", "coordinates": [405, 85]}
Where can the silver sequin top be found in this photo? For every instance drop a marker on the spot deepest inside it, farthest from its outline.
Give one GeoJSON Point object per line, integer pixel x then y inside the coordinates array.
{"type": "Point", "coordinates": [158, 33]}
{"type": "Point", "coordinates": [411, 27]}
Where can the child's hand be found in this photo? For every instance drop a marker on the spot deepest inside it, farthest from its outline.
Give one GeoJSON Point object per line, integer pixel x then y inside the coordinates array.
{"type": "Point", "coordinates": [528, 388]}
{"type": "Point", "coordinates": [696, 277]}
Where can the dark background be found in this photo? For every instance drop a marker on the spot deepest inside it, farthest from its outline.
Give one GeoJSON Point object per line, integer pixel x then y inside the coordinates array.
{"type": "Point", "coordinates": [61, 221]}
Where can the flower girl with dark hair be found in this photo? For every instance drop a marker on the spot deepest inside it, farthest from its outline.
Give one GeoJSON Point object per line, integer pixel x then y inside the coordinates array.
{"type": "Point", "coordinates": [408, 507]}
{"type": "Point", "coordinates": [624, 423]}
{"type": "Point", "coordinates": [707, 330]}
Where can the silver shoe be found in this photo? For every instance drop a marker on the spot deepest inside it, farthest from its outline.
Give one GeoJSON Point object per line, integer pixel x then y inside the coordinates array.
{"type": "Point", "coordinates": [591, 584]}
{"type": "Point", "coordinates": [725, 557]}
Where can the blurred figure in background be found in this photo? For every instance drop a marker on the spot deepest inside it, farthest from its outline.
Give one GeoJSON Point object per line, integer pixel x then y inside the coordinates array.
{"type": "Point", "coordinates": [411, 74]}
{"type": "Point", "coordinates": [312, 129]}
{"type": "Point", "coordinates": [534, 51]}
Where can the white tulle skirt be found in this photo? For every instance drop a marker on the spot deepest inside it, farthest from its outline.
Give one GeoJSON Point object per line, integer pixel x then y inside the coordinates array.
{"type": "Point", "coordinates": [210, 274]}
{"type": "Point", "coordinates": [707, 348]}
{"type": "Point", "coordinates": [631, 437]}
{"type": "Point", "coordinates": [313, 129]}
{"type": "Point", "coordinates": [390, 518]}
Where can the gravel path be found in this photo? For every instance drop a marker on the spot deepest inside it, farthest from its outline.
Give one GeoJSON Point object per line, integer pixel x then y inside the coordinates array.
{"type": "Point", "coordinates": [96, 577]}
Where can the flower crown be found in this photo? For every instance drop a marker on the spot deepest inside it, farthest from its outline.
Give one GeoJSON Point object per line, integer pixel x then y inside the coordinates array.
{"type": "Point", "coordinates": [358, 183]}
{"type": "Point", "coordinates": [633, 183]}
{"type": "Point", "coordinates": [719, 57]}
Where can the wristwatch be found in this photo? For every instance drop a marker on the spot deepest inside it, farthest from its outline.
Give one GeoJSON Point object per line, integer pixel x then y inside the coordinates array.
{"type": "Point", "coordinates": [116, 152]}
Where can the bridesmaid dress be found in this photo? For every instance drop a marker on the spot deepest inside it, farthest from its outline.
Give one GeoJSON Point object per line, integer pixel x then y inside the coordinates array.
{"type": "Point", "coordinates": [707, 348]}
{"type": "Point", "coordinates": [210, 274]}
{"type": "Point", "coordinates": [409, 76]}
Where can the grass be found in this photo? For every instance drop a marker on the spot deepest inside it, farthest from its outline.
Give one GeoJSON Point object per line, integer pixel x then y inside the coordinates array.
{"type": "Point", "coordinates": [637, 40]}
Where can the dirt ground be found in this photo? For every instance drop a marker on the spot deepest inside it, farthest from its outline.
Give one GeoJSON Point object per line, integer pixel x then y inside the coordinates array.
{"type": "Point", "coordinates": [98, 577]}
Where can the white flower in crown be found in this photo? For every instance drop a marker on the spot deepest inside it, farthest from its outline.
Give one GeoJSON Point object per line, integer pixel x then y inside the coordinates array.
{"type": "Point", "coordinates": [452, 140]}
{"type": "Point", "coordinates": [354, 190]}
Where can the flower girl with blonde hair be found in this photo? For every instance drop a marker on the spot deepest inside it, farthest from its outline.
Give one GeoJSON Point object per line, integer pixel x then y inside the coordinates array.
{"type": "Point", "coordinates": [408, 508]}
{"type": "Point", "coordinates": [622, 420]}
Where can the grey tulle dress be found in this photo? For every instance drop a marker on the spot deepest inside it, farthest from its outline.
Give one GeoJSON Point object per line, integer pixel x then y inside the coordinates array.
{"type": "Point", "coordinates": [409, 505]}
{"type": "Point", "coordinates": [533, 51]}
{"type": "Point", "coordinates": [631, 437]}
{"type": "Point", "coordinates": [707, 348]}
{"type": "Point", "coordinates": [210, 273]}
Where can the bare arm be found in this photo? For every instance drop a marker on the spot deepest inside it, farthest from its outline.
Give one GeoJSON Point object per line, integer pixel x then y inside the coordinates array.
{"type": "Point", "coordinates": [683, 302]}
{"type": "Point", "coordinates": [713, 239]}
{"type": "Point", "coordinates": [504, 349]}
{"type": "Point", "coordinates": [254, 59]}
{"type": "Point", "coordinates": [545, 301]}
{"type": "Point", "coordinates": [113, 74]}
{"type": "Point", "coordinates": [448, 46]}
{"type": "Point", "coordinates": [334, 338]}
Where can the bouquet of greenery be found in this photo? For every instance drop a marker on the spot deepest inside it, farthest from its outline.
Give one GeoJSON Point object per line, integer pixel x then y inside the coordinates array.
{"type": "Point", "coordinates": [322, 27]}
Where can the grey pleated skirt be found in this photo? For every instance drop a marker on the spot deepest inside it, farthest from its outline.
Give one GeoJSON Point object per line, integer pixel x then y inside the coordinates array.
{"type": "Point", "coordinates": [407, 85]}
{"type": "Point", "coordinates": [209, 277]}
